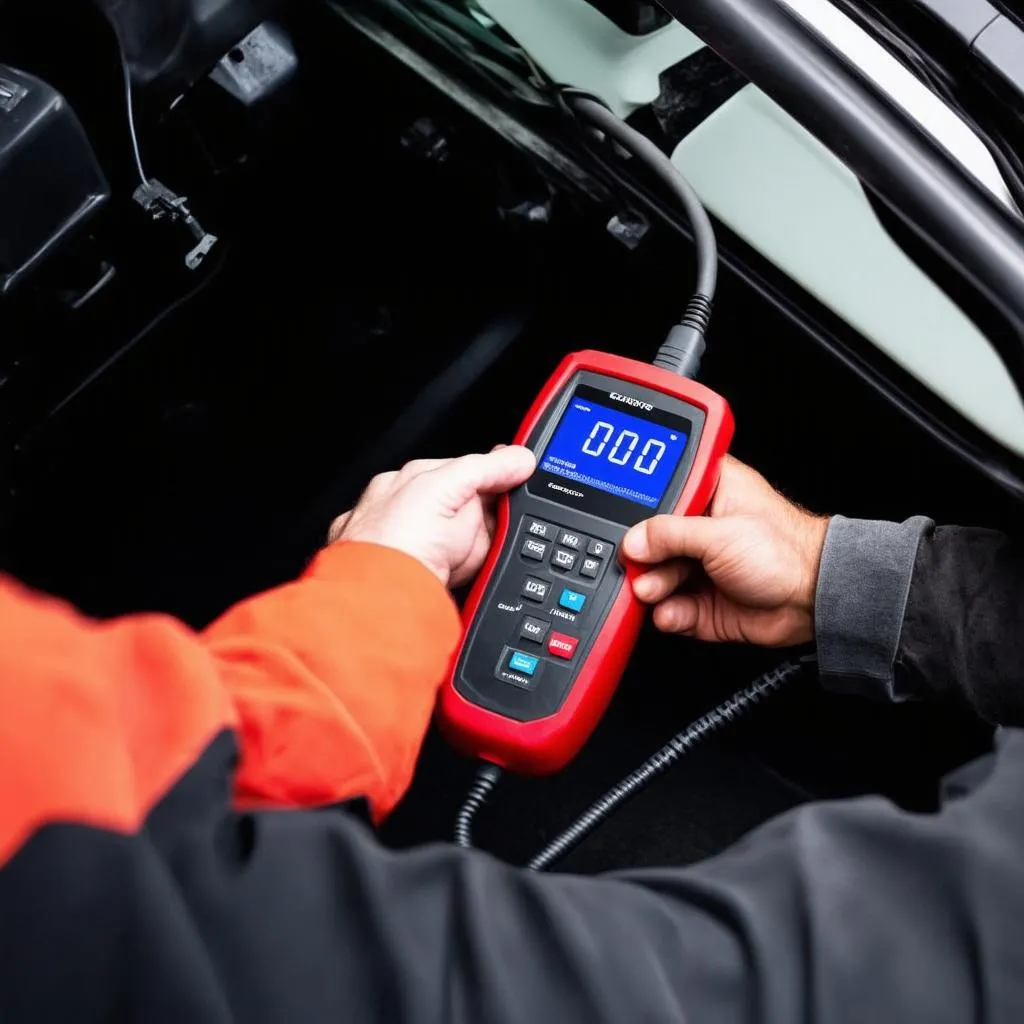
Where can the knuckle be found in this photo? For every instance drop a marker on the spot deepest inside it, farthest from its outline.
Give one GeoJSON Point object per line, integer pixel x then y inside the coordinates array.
{"type": "Point", "coordinates": [382, 480]}
{"type": "Point", "coordinates": [466, 471]}
{"type": "Point", "coordinates": [662, 531]}
{"type": "Point", "coordinates": [411, 472]}
{"type": "Point", "coordinates": [653, 529]}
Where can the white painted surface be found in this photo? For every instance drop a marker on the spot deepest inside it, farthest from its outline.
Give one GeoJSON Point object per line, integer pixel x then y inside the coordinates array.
{"type": "Point", "coordinates": [577, 45]}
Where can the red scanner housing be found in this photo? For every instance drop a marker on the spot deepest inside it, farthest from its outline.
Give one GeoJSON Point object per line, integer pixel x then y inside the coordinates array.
{"type": "Point", "coordinates": [545, 744]}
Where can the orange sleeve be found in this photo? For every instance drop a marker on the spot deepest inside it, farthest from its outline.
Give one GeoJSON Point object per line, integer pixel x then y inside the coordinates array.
{"type": "Point", "coordinates": [329, 683]}
{"type": "Point", "coordinates": [98, 720]}
{"type": "Point", "coordinates": [334, 677]}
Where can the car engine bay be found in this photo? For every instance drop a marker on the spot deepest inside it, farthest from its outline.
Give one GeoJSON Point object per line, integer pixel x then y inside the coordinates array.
{"type": "Point", "coordinates": [402, 255]}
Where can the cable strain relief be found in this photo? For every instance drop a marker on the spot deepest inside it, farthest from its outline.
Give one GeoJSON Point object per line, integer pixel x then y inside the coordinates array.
{"type": "Point", "coordinates": [698, 313]}
{"type": "Point", "coordinates": [684, 347]}
{"type": "Point", "coordinates": [682, 351]}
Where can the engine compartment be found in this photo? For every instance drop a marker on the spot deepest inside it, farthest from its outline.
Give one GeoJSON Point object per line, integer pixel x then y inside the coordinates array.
{"type": "Point", "coordinates": [395, 279]}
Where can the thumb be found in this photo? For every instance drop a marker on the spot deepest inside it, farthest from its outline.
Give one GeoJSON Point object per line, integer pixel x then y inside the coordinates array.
{"type": "Point", "coordinates": [495, 473]}
{"type": "Point", "coordinates": [665, 537]}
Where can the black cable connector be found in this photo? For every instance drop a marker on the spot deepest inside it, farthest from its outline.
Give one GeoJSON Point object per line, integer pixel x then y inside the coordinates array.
{"type": "Point", "coordinates": [679, 745]}
{"type": "Point", "coordinates": [156, 198]}
{"type": "Point", "coordinates": [487, 777]}
{"type": "Point", "coordinates": [683, 349]}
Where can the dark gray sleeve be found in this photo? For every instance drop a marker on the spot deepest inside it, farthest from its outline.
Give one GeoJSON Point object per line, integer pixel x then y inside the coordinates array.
{"type": "Point", "coordinates": [848, 912]}
{"type": "Point", "coordinates": [863, 585]}
{"type": "Point", "coordinates": [907, 610]}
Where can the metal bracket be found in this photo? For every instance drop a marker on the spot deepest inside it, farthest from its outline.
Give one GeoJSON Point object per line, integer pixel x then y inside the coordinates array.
{"type": "Point", "coordinates": [163, 204]}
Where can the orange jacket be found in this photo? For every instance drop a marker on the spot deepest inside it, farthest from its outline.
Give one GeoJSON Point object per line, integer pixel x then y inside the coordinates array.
{"type": "Point", "coordinates": [328, 684]}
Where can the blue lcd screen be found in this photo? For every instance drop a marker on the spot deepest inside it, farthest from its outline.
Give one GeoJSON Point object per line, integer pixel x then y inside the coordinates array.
{"type": "Point", "coordinates": [614, 451]}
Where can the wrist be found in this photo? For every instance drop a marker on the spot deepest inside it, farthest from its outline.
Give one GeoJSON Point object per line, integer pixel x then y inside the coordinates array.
{"type": "Point", "coordinates": [812, 533]}
{"type": "Point", "coordinates": [385, 540]}
{"type": "Point", "coordinates": [332, 552]}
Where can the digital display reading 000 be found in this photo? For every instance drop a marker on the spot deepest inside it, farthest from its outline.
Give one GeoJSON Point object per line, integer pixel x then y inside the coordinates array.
{"type": "Point", "coordinates": [614, 451]}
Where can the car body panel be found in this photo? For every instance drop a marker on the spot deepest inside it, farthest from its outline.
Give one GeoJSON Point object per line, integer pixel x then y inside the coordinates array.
{"type": "Point", "coordinates": [577, 45]}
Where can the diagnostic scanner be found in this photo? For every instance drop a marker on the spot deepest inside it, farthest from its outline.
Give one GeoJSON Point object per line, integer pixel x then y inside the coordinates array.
{"type": "Point", "coordinates": [552, 620]}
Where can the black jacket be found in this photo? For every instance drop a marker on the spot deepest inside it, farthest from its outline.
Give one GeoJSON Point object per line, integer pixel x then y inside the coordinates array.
{"type": "Point", "coordinates": [850, 911]}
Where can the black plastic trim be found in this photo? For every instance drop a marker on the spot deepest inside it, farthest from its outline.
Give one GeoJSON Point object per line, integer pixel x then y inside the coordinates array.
{"type": "Point", "coordinates": [1001, 48]}
{"type": "Point", "coordinates": [966, 19]}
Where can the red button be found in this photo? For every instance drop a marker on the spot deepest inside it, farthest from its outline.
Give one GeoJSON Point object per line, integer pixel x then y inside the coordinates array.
{"type": "Point", "coordinates": [562, 646]}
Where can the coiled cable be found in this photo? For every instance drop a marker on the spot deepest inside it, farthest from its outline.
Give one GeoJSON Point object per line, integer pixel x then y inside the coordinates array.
{"type": "Point", "coordinates": [680, 744]}
{"type": "Point", "coordinates": [487, 777]}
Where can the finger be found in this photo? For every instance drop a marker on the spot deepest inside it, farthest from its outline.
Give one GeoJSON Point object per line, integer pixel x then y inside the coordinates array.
{"type": "Point", "coordinates": [678, 614]}
{"type": "Point", "coordinates": [494, 473]}
{"type": "Point", "coordinates": [490, 515]}
{"type": "Point", "coordinates": [417, 467]}
{"type": "Point", "coordinates": [665, 537]}
{"type": "Point", "coordinates": [463, 573]}
{"type": "Point", "coordinates": [691, 615]}
{"type": "Point", "coordinates": [742, 490]}
{"type": "Point", "coordinates": [731, 466]}
{"type": "Point", "coordinates": [498, 447]}
{"type": "Point", "coordinates": [666, 579]}
{"type": "Point", "coordinates": [338, 526]}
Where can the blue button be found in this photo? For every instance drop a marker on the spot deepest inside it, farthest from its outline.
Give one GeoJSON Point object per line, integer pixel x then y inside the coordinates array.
{"type": "Point", "coordinates": [572, 600]}
{"type": "Point", "coordinates": [525, 663]}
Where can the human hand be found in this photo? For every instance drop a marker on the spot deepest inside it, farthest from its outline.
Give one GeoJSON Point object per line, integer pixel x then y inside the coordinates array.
{"type": "Point", "coordinates": [751, 565]}
{"type": "Point", "coordinates": [440, 511]}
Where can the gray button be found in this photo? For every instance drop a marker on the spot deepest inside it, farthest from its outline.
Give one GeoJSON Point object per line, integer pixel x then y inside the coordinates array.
{"type": "Point", "coordinates": [535, 549]}
{"type": "Point", "coordinates": [599, 548]}
{"type": "Point", "coordinates": [534, 630]}
{"type": "Point", "coordinates": [563, 560]}
{"type": "Point", "coordinates": [590, 568]}
{"type": "Point", "coordinates": [535, 589]}
{"type": "Point", "coordinates": [538, 529]}
{"type": "Point", "coordinates": [570, 540]}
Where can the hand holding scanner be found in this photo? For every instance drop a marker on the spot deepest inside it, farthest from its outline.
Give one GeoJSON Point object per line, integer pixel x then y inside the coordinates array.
{"type": "Point", "coordinates": [552, 620]}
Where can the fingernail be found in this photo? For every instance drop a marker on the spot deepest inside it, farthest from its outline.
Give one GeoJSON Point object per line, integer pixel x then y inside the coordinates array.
{"type": "Point", "coordinates": [643, 586]}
